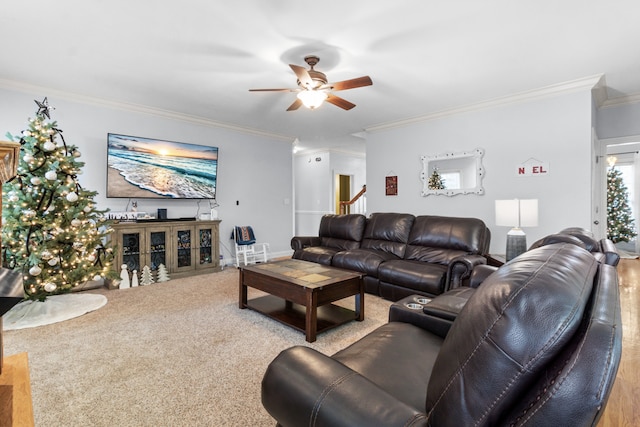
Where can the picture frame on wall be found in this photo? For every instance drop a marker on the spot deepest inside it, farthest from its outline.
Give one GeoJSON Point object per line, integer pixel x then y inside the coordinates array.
{"type": "Point", "coordinates": [391, 185]}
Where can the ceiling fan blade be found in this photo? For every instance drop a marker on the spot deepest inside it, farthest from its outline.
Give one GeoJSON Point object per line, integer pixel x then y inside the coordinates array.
{"type": "Point", "coordinates": [303, 76]}
{"type": "Point", "coordinates": [272, 90]}
{"type": "Point", "coordinates": [296, 104]}
{"type": "Point", "coordinates": [339, 102]}
{"type": "Point", "coordinates": [351, 84]}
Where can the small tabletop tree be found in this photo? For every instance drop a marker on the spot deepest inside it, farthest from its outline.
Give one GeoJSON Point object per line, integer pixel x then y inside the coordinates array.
{"type": "Point", "coordinates": [52, 231]}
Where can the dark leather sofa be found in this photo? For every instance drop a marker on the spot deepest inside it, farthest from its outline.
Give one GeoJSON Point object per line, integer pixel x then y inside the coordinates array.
{"type": "Point", "coordinates": [444, 308]}
{"type": "Point", "coordinates": [400, 254]}
{"type": "Point", "coordinates": [537, 344]}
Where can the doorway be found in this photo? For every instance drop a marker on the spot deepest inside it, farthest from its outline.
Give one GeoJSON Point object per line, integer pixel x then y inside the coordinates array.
{"type": "Point", "coordinates": [624, 155]}
{"type": "Point", "coordinates": [343, 193]}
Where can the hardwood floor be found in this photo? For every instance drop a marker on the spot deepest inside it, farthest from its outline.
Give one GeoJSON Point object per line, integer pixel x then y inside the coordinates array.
{"type": "Point", "coordinates": [623, 408]}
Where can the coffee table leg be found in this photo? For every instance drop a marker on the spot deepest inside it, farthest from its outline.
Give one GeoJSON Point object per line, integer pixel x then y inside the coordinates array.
{"type": "Point", "coordinates": [243, 291]}
{"type": "Point", "coordinates": [360, 303]}
{"type": "Point", "coordinates": [311, 318]}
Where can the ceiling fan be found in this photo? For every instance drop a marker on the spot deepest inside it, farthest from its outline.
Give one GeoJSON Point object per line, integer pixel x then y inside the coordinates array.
{"type": "Point", "coordinates": [313, 88]}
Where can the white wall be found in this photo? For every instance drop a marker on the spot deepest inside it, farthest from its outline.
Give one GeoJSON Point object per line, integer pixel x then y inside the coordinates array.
{"type": "Point", "coordinates": [253, 170]}
{"type": "Point", "coordinates": [315, 176]}
{"type": "Point", "coordinates": [555, 129]}
{"type": "Point", "coordinates": [618, 121]}
{"type": "Point", "coordinates": [312, 191]}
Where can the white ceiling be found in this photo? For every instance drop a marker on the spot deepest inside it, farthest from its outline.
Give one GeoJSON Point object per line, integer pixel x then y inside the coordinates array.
{"type": "Point", "coordinates": [200, 57]}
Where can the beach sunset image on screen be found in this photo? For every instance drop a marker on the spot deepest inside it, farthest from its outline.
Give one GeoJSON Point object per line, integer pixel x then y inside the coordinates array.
{"type": "Point", "coordinates": [152, 168]}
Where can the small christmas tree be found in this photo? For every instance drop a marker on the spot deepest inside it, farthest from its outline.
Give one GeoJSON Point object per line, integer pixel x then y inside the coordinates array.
{"type": "Point", "coordinates": [620, 222]}
{"type": "Point", "coordinates": [163, 275]}
{"type": "Point", "coordinates": [146, 278]}
{"type": "Point", "coordinates": [52, 231]}
{"type": "Point", "coordinates": [435, 181]}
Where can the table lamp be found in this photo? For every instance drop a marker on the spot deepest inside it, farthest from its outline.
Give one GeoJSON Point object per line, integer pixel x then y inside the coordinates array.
{"type": "Point", "coordinates": [516, 213]}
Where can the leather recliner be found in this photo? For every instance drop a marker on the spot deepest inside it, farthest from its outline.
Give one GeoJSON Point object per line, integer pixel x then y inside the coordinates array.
{"type": "Point", "coordinates": [538, 344]}
{"type": "Point", "coordinates": [444, 308]}
{"type": "Point", "coordinates": [384, 239]}
{"type": "Point", "coordinates": [441, 253]}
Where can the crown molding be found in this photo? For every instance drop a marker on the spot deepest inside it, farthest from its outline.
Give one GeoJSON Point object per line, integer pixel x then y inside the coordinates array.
{"type": "Point", "coordinates": [621, 100]}
{"type": "Point", "coordinates": [314, 151]}
{"type": "Point", "coordinates": [136, 108]}
{"type": "Point", "coordinates": [584, 83]}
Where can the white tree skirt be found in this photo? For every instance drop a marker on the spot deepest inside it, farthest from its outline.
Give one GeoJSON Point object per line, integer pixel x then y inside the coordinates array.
{"type": "Point", "coordinates": [56, 308]}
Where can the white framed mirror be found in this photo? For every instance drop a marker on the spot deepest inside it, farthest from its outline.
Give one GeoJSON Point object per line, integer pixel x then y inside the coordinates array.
{"type": "Point", "coordinates": [449, 174]}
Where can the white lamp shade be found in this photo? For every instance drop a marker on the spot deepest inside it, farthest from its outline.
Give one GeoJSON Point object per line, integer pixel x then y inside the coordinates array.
{"type": "Point", "coordinates": [517, 213]}
{"type": "Point", "coordinates": [529, 213]}
{"type": "Point", "coordinates": [507, 213]}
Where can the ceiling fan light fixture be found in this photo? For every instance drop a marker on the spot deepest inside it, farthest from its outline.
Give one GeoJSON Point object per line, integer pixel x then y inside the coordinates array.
{"type": "Point", "coordinates": [312, 99]}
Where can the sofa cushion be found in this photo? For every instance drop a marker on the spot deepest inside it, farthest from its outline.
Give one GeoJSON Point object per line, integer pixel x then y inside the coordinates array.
{"type": "Point", "coordinates": [341, 231]}
{"type": "Point", "coordinates": [384, 238]}
{"type": "Point", "coordinates": [318, 254]}
{"type": "Point", "coordinates": [336, 233]}
{"type": "Point", "coordinates": [438, 239]}
{"type": "Point", "coordinates": [515, 323]}
{"type": "Point", "coordinates": [387, 232]}
{"type": "Point", "coordinates": [384, 356]}
{"type": "Point", "coordinates": [363, 260]}
{"type": "Point", "coordinates": [415, 275]}
{"type": "Point", "coordinates": [585, 236]}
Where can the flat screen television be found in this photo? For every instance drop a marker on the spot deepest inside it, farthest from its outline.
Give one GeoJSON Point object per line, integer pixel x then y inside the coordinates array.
{"type": "Point", "coordinates": [153, 168]}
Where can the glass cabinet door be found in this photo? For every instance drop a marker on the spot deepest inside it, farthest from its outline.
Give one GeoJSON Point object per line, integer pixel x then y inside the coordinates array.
{"type": "Point", "coordinates": [157, 249]}
{"type": "Point", "coordinates": [205, 248]}
{"type": "Point", "coordinates": [183, 248]}
{"type": "Point", "coordinates": [131, 245]}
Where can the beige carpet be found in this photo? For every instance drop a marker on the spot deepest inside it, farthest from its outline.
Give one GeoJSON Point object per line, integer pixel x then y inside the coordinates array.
{"type": "Point", "coordinates": [179, 353]}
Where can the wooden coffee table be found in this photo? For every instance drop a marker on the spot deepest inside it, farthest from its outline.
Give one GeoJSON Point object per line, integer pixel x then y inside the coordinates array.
{"type": "Point", "coordinates": [301, 293]}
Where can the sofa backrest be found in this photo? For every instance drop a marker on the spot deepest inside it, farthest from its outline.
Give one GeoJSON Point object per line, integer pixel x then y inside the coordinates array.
{"type": "Point", "coordinates": [387, 232]}
{"type": "Point", "coordinates": [604, 249]}
{"type": "Point", "coordinates": [439, 239]}
{"type": "Point", "coordinates": [342, 231]}
{"type": "Point", "coordinates": [539, 343]}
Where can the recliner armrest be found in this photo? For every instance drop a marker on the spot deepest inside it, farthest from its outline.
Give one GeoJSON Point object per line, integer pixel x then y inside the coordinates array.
{"type": "Point", "coordinates": [399, 312]}
{"type": "Point", "coordinates": [460, 268]}
{"type": "Point", "coordinates": [611, 255]}
{"type": "Point", "coordinates": [301, 242]}
{"type": "Point", "coordinates": [479, 274]}
{"type": "Point", "coordinates": [448, 305]}
{"type": "Point", "coordinates": [305, 387]}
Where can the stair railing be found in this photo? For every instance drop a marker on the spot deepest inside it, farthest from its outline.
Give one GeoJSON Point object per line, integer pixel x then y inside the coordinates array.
{"type": "Point", "coordinates": [358, 204]}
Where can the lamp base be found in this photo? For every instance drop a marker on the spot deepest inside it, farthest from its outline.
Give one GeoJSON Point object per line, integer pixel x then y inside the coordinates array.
{"type": "Point", "coordinates": [516, 243]}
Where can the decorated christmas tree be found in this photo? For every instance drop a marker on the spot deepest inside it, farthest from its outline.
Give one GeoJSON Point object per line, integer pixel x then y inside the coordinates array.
{"type": "Point", "coordinates": [52, 231]}
{"type": "Point", "coordinates": [620, 223]}
{"type": "Point", "coordinates": [435, 181]}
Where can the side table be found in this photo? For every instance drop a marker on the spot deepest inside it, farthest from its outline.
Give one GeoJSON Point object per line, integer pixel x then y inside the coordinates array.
{"type": "Point", "coordinates": [496, 260]}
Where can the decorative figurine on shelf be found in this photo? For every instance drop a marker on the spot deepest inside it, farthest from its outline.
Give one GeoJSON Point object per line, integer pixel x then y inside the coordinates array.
{"type": "Point", "coordinates": [146, 278]}
{"type": "Point", "coordinates": [163, 275]}
{"type": "Point", "coordinates": [124, 277]}
{"type": "Point", "coordinates": [134, 279]}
